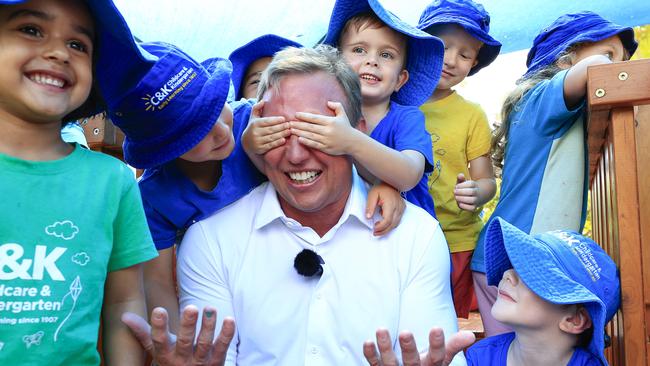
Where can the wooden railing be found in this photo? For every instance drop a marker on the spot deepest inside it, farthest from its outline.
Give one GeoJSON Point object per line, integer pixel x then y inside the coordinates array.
{"type": "Point", "coordinates": [619, 156]}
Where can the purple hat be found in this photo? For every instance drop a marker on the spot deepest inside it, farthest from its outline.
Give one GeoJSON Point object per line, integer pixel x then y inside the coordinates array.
{"type": "Point", "coordinates": [469, 15]}
{"type": "Point", "coordinates": [561, 267]}
{"type": "Point", "coordinates": [425, 52]}
{"type": "Point", "coordinates": [263, 46]}
{"type": "Point", "coordinates": [172, 108]}
{"type": "Point", "coordinates": [570, 29]}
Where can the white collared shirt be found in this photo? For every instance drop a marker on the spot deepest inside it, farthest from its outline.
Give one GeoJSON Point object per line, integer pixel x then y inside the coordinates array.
{"type": "Point", "coordinates": [240, 260]}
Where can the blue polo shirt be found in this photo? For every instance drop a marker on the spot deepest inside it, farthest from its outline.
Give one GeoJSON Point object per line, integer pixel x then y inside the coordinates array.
{"type": "Point", "coordinates": [545, 174]}
{"type": "Point", "coordinates": [403, 129]}
{"type": "Point", "coordinates": [172, 202]}
{"type": "Point", "coordinates": [493, 351]}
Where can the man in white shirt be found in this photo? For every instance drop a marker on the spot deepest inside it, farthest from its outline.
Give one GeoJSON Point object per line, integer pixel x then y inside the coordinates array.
{"type": "Point", "coordinates": [241, 259]}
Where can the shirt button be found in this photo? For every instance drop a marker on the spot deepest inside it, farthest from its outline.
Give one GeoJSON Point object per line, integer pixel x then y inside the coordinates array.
{"type": "Point", "coordinates": [314, 350]}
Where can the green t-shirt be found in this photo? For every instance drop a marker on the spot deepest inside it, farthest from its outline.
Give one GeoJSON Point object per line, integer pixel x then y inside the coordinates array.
{"type": "Point", "coordinates": [63, 225]}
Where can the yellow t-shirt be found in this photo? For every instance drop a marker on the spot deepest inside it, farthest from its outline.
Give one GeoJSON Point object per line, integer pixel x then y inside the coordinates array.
{"type": "Point", "coordinates": [459, 133]}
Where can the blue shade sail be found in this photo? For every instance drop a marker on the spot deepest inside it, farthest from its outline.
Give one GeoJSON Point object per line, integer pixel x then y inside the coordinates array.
{"type": "Point", "coordinates": [208, 28]}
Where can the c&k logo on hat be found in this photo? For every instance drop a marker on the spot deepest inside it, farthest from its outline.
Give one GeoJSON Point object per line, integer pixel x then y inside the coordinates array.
{"type": "Point", "coordinates": [581, 250]}
{"type": "Point", "coordinates": [170, 89]}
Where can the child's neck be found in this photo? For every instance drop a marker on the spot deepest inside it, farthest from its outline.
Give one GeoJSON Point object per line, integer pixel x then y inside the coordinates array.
{"type": "Point", "coordinates": [34, 141]}
{"type": "Point", "coordinates": [541, 348]}
{"type": "Point", "coordinates": [440, 94]}
{"type": "Point", "coordinates": [205, 175]}
{"type": "Point", "coordinates": [373, 113]}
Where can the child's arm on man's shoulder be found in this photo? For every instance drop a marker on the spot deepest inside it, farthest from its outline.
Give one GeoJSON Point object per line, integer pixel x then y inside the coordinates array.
{"type": "Point", "coordinates": [334, 135]}
{"type": "Point", "coordinates": [479, 188]}
{"type": "Point", "coordinates": [123, 292]}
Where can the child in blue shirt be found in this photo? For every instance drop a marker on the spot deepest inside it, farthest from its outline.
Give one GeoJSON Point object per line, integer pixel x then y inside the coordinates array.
{"type": "Point", "coordinates": [249, 60]}
{"type": "Point", "coordinates": [180, 129]}
{"type": "Point", "coordinates": [72, 229]}
{"type": "Point", "coordinates": [541, 142]}
{"type": "Point", "coordinates": [398, 67]}
{"type": "Point", "coordinates": [557, 290]}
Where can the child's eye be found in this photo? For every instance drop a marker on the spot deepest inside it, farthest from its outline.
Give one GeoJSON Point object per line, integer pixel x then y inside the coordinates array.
{"type": "Point", "coordinates": [253, 82]}
{"type": "Point", "coordinates": [357, 50]}
{"type": "Point", "coordinates": [79, 46]}
{"type": "Point", "coordinates": [387, 55]}
{"type": "Point", "coordinates": [465, 56]}
{"type": "Point", "coordinates": [610, 55]}
{"type": "Point", "coordinates": [31, 30]}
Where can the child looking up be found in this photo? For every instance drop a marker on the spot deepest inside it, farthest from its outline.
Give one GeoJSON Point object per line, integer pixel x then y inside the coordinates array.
{"type": "Point", "coordinates": [63, 265]}
{"type": "Point", "coordinates": [541, 141]}
{"type": "Point", "coordinates": [249, 60]}
{"type": "Point", "coordinates": [557, 290]}
{"type": "Point", "coordinates": [180, 129]}
{"type": "Point", "coordinates": [463, 178]}
{"type": "Point", "coordinates": [398, 67]}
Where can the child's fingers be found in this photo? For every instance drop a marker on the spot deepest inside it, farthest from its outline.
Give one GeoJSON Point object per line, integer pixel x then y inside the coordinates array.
{"type": "Point", "coordinates": [314, 118]}
{"type": "Point", "coordinates": [460, 178]}
{"type": "Point", "coordinates": [272, 136]}
{"type": "Point", "coordinates": [311, 143]}
{"type": "Point", "coordinates": [372, 202]}
{"type": "Point", "coordinates": [309, 135]}
{"type": "Point", "coordinates": [466, 192]}
{"type": "Point", "coordinates": [297, 126]}
{"type": "Point", "coordinates": [270, 122]}
{"type": "Point", "coordinates": [257, 109]}
{"type": "Point", "coordinates": [338, 108]}
{"type": "Point", "coordinates": [271, 145]}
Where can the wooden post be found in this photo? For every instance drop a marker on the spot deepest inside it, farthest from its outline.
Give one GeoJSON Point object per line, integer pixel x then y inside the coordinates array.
{"type": "Point", "coordinates": [619, 149]}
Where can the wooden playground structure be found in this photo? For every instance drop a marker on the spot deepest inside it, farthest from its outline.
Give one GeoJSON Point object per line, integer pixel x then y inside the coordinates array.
{"type": "Point", "coordinates": [619, 143]}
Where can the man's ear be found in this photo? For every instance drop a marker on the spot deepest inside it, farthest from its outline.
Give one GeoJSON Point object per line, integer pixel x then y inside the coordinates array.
{"type": "Point", "coordinates": [362, 125]}
{"type": "Point", "coordinates": [577, 321]}
{"type": "Point", "coordinates": [402, 78]}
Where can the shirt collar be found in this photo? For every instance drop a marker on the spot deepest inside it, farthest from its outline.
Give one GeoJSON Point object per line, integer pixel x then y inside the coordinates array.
{"type": "Point", "coordinates": [270, 209]}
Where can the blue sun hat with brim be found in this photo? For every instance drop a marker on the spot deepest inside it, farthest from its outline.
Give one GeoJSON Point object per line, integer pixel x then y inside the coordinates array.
{"type": "Point", "coordinates": [562, 267]}
{"type": "Point", "coordinates": [114, 43]}
{"type": "Point", "coordinates": [570, 29]}
{"type": "Point", "coordinates": [474, 20]}
{"type": "Point", "coordinates": [172, 108]}
{"type": "Point", "coordinates": [263, 46]}
{"type": "Point", "coordinates": [425, 52]}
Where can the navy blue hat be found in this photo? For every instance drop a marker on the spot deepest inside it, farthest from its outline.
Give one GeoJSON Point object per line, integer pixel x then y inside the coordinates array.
{"type": "Point", "coordinates": [172, 108]}
{"type": "Point", "coordinates": [263, 46]}
{"type": "Point", "coordinates": [570, 29]}
{"type": "Point", "coordinates": [562, 267]}
{"type": "Point", "coordinates": [114, 44]}
{"type": "Point", "coordinates": [469, 15]}
{"type": "Point", "coordinates": [425, 52]}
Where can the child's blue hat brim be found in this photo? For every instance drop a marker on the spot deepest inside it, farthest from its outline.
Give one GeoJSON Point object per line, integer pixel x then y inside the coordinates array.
{"type": "Point", "coordinates": [172, 108]}
{"type": "Point", "coordinates": [425, 52]}
{"type": "Point", "coordinates": [264, 46]}
{"type": "Point", "coordinates": [474, 20]}
{"type": "Point", "coordinates": [115, 43]}
{"type": "Point", "coordinates": [570, 29]}
{"type": "Point", "coordinates": [562, 267]}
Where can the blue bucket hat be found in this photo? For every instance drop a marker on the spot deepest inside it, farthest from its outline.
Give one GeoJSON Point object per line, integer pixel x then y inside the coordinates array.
{"type": "Point", "coordinates": [570, 29]}
{"type": "Point", "coordinates": [562, 267]}
{"type": "Point", "coordinates": [114, 43]}
{"type": "Point", "coordinates": [474, 20]}
{"type": "Point", "coordinates": [172, 108]}
{"type": "Point", "coordinates": [263, 46]}
{"type": "Point", "coordinates": [425, 52]}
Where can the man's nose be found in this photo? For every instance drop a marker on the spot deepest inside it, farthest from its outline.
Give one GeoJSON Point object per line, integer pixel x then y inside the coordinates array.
{"type": "Point", "coordinates": [296, 153]}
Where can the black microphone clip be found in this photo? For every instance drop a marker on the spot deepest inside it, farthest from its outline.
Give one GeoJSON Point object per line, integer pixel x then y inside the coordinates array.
{"type": "Point", "coordinates": [308, 263]}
